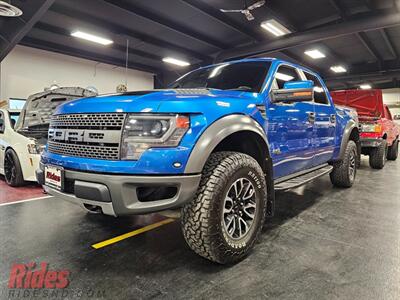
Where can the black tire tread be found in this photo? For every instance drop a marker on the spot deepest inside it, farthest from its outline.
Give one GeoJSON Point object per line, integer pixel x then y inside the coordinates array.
{"type": "Point", "coordinates": [376, 155]}
{"type": "Point", "coordinates": [197, 225]}
{"type": "Point", "coordinates": [19, 179]}
{"type": "Point", "coordinates": [393, 152]}
{"type": "Point", "coordinates": [340, 175]}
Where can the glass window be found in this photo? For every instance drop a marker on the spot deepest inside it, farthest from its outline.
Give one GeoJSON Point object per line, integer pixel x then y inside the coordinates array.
{"type": "Point", "coordinates": [286, 74]}
{"type": "Point", "coordinates": [14, 116]}
{"type": "Point", "coordinates": [243, 76]}
{"type": "Point", "coordinates": [319, 92]}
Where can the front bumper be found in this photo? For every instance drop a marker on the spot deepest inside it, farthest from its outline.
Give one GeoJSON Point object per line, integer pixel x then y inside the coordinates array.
{"type": "Point", "coordinates": [117, 195]}
{"type": "Point", "coordinates": [370, 142]}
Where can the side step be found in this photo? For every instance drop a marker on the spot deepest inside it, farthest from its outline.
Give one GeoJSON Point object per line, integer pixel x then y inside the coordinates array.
{"type": "Point", "coordinates": [302, 179]}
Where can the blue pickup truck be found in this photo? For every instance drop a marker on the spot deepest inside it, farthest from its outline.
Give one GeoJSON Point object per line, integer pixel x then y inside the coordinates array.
{"type": "Point", "coordinates": [217, 144]}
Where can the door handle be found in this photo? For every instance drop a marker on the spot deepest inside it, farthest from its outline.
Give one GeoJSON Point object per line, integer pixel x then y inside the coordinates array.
{"type": "Point", "coordinates": [311, 117]}
{"type": "Point", "coordinates": [333, 119]}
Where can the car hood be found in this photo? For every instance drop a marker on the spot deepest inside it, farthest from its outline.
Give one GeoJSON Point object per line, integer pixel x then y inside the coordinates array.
{"type": "Point", "coordinates": [161, 101]}
{"type": "Point", "coordinates": [367, 103]}
{"type": "Point", "coordinates": [36, 113]}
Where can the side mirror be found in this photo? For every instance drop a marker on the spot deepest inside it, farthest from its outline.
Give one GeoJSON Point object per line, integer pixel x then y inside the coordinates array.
{"type": "Point", "coordinates": [1, 125]}
{"type": "Point", "coordinates": [294, 91]}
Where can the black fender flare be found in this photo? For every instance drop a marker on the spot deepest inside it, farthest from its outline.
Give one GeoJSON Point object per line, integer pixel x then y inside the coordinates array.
{"type": "Point", "coordinates": [216, 133]}
{"type": "Point", "coordinates": [346, 137]}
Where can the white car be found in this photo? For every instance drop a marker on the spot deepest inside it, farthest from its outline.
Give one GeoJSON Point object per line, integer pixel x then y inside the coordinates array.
{"type": "Point", "coordinates": [19, 155]}
{"type": "Point", "coordinates": [23, 135]}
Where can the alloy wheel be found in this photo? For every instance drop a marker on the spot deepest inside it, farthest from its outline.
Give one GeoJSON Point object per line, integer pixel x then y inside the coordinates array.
{"type": "Point", "coordinates": [9, 168]}
{"type": "Point", "coordinates": [352, 165]}
{"type": "Point", "coordinates": [239, 208]}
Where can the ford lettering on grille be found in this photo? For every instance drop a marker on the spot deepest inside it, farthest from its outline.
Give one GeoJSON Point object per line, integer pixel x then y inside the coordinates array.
{"type": "Point", "coordinates": [86, 135]}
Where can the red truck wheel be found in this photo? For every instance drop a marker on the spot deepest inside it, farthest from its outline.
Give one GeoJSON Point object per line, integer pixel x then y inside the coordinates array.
{"type": "Point", "coordinates": [393, 151]}
{"type": "Point", "coordinates": [378, 156]}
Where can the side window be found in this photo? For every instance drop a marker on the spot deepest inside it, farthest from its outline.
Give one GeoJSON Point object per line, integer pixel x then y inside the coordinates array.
{"type": "Point", "coordinates": [2, 125]}
{"type": "Point", "coordinates": [319, 92]}
{"type": "Point", "coordinates": [285, 74]}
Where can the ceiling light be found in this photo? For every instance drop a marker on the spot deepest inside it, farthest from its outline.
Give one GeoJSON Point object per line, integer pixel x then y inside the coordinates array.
{"type": "Point", "coordinates": [338, 69]}
{"type": "Point", "coordinates": [175, 61]}
{"type": "Point", "coordinates": [275, 27]}
{"type": "Point", "coordinates": [365, 87]}
{"type": "Point", "coordinates": [8, 10]}
{"type": "Point", "coordinates": [91, 37]}
{"type": "Point", "coordinates": [314, 53]}
{"type": "Point", "coordinates": [283, 77]}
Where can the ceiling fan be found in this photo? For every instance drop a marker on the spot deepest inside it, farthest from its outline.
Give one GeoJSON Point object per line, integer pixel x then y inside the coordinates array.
{"type": "Point", "coordinates": [246, 10]}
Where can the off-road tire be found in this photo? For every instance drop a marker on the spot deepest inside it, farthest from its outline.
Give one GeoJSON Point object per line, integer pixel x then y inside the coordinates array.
{"type": "Point", "coordinates": [341, 175]}
{"type": "Point", "coordinates": [14, 177]}
{"type": "Point", "coordinates": [378, 156]}
{"type": "Point", "coordinates": [393, 151]}
{"type": "Point", "coordinates": [202, 218]}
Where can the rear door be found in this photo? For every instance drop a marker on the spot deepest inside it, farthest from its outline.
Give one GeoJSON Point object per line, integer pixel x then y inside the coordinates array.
{"type": "Point", "coordinates": [325, 122]}
{"type": "Point", "coordinates": [290, 130]}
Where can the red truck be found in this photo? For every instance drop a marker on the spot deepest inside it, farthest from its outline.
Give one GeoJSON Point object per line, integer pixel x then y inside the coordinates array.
{"type": "Point", "coordinates": [379, 133]}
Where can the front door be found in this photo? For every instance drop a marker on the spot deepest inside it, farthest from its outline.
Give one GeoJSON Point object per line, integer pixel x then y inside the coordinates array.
{"type": "Point", "coordinates": [290, 129]}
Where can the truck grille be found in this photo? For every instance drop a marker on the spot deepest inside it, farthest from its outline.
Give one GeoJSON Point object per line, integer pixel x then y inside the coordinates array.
{"type": "Point", "coordinates": [94, 136]}
{"type": "Point", "coordinates": [88, 121]}
{"type": "Point", "coordinates": [88, 151]}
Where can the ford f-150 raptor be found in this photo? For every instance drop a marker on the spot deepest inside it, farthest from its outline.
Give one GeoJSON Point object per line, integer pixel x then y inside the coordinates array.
{"type": "Point", "coordinates": [217, 144]}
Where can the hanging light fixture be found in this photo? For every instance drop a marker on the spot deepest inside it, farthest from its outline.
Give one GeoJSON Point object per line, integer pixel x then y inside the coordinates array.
{"type": "Point", "coordinates": [8, 10]}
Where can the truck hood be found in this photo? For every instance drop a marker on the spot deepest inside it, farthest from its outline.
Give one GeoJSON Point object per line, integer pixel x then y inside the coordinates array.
{"type": "Point", "coordinates": [35, 116]}
{"type": "Point", "coordinates": [161, 101]}
{"type": "Point", "coordinates": [367, 103]}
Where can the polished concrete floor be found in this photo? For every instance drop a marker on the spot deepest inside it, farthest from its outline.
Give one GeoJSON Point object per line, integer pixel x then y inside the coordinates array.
{"type": "Point", "coordinates": [323, 243]}
{"type": "Point", "coordinates": [10, 194]}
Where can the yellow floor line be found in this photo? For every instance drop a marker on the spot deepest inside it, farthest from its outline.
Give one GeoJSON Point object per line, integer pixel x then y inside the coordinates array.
{"type": "Point", "coordinates": [132, 233]}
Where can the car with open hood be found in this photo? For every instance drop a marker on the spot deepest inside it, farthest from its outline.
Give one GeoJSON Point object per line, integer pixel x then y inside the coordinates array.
{"type": "Point", "coordinates": [23, 134]}
{"type": "Point", "coordinates": [379, 132]}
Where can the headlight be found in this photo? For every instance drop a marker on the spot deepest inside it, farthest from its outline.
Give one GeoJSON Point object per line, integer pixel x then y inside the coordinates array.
{"type": "Point", "coordinates": [144, 132]}
{"type": "Point", "coordinates": [35, 148]}
{"type": "Point", "coordinates": [371, 128]}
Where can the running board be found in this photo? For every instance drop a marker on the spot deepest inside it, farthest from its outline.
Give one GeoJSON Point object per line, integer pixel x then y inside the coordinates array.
{"type": "Point", "coordinates": [302, 179]}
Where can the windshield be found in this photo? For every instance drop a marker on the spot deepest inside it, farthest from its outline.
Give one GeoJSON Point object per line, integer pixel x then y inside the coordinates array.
{"type": "Point", "coordinates": [244, 76]}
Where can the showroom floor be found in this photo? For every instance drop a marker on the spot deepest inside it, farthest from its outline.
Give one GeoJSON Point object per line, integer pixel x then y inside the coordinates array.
{"type": "Point", "coordinates": [322, 243]}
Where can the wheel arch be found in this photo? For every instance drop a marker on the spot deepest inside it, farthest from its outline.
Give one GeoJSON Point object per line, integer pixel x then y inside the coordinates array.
{"type": "Point", "coordinates": [351, 133]}
{"type": "Point", "coordinates": [231, 133]}
{"type": "Point", "coordinates": [217, 136]}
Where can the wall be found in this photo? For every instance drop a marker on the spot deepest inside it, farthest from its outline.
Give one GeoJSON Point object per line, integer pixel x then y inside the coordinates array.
{"type": "Point", "coordinates": [390, 97]}
{"type": "Point", "coordinates": [26, 71]}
